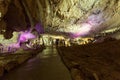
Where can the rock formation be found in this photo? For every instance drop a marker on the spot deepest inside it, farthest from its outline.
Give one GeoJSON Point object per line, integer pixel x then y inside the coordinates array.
{"type": "Point", "coordinates": [60, 16]}
{"type": "Point", "coordinates": [98, 61]}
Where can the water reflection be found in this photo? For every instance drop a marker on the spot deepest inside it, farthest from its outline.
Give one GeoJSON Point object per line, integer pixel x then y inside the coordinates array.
{"type": "Point", "coordinates": [50, 52]}
{"type": "Point", "coordinates": [45, 66]}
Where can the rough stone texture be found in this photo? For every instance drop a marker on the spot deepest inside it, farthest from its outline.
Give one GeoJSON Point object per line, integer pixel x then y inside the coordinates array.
{"type": "Point", "coordinates": [100, 61]}
{"type": "Point", "coordinates": [15, 16]}
{"type": "Point", "coordinates": [3, 11]}
{"type": "Point", "coordinates": [64, 16]}
{"type": "Point", "coordinates": [7, 42]}
{"type": "Point", "coordinates": [12, 17]}
{"type": "Point", "coordinates": [10, 61]}
{"type": "Point", "coordinates": [1, 70]}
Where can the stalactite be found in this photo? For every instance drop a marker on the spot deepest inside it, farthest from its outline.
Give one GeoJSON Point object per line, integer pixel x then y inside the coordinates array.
{"type": "Point", "coordinates": [28, 14]}
{"type": "Point", "coordinates": [63, 15]}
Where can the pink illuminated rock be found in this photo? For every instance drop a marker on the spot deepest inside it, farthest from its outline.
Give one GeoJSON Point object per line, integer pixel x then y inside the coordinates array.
{"type": "Point", "coordinates": [14, 45]}
{"type": "Point", "coordinates": [91, 24]}
{"type": "Point", "coordinates": [83, 30]}
{"type": "Point", "coordinates": [25, 36]}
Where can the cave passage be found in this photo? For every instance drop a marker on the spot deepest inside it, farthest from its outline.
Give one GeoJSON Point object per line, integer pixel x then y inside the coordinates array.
{"type": "Point", "coordinates": [47, 65]}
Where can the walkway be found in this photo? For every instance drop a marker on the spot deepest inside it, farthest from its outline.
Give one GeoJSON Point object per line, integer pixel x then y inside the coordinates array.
{"type": "Point", "coordinates": [45, 66]}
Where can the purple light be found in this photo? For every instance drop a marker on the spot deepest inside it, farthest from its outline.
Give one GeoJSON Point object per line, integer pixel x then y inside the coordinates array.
{"type": "Point", "coordinates": [83, 30]}
{"type": "Point", "coordinates": [39, 28]}
{"type": "Point", "coordinates": [91, 24]}
{"type": "Point", "coordinates": [22, 37]}
{"type": "Point", "coordinates": [95, 20]}
{"type": "Point", "coordinates": [25, 36]}
{"type": "Point", "coordinates": [14, 45]}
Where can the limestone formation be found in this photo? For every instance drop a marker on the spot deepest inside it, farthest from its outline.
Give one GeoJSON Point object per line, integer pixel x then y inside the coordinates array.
{"type": "Point", "coordinates": [60, 16]}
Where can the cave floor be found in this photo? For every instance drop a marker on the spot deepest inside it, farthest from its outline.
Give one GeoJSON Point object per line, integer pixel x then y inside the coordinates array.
{"type": "Point", "coordinates": [45, 66]}
{"type": "Point", "coordinates": [100, 61]}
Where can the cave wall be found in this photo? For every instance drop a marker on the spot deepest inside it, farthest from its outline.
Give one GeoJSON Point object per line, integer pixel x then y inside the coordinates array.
{"type": "Point", "coordinates": [63, 15]}
{"type": "Point", "coordinates": [3, 11]}
{"type": "Point", "coordinates": [58, 15]}
{"type": "Point", "coordinates": [13, 17]}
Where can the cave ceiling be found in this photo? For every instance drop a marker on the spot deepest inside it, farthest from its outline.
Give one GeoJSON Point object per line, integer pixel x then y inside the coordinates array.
{"type": "Point", "coordinates": [70, 17]}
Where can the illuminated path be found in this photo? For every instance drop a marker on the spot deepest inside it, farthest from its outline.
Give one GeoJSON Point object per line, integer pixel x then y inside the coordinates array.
{"type": "Point", "coordinates": [45, 66]}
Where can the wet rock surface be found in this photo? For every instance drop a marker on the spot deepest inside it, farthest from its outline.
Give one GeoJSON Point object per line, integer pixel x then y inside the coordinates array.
{"type": "Point", "coordinates": [46, 65]}
{"type": "Point", "coordinates": [99, 61]}
{"type": "Point", "coordinates": [9, 61]}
